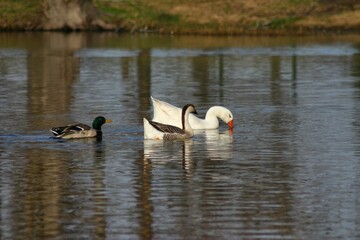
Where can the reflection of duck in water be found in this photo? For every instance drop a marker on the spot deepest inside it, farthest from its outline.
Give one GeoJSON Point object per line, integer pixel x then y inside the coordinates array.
{"type": "Point", "coordinates": [169, 114]}
{"type": "Point", "coordinates": [81, 130]}
{"type": "Point", "coordinates": [156, 130]}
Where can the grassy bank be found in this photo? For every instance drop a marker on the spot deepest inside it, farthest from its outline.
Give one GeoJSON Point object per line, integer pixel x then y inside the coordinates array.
{"type": "Point", "coordinates": [234, 16]}
{"type": "Point", "coordinates": [20, 14]}
{"type": "Point", "coordinates": [205, 16]}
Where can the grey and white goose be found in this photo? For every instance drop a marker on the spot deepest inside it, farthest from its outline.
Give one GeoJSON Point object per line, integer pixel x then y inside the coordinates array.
{"type": "Point", "coordinates": [156, 130]}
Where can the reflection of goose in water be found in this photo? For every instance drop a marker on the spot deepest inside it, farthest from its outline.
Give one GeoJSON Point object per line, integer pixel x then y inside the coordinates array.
{"type": "Point", "coordinates": [217, 145]}
{"type": "Point", "coordinates": [169, 114]}
{"type": "Point", "coordinates": [170, 152]}
{"type": "Point", "coordinates": [210, 144]}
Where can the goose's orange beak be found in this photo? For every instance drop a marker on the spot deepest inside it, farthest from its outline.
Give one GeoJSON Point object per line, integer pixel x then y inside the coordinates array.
{"type": "Point", "coordinates": [231, 124]}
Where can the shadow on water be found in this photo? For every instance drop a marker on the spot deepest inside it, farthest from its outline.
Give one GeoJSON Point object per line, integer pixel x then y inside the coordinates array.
{"type": "Point", "coordinates": [276, 175]}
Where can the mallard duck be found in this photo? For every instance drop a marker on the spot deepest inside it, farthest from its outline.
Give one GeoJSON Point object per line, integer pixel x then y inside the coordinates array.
{"type": "Point", "coordinates": [169, 114]}
{"type": "Point", "coordinates": [156, 130]}
{"type": "Point", "coordinates": [80, 130]}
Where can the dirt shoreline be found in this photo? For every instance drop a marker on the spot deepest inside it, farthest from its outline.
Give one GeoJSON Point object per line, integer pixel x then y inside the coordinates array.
{"type": "Point", "coordinates": [233, 32]}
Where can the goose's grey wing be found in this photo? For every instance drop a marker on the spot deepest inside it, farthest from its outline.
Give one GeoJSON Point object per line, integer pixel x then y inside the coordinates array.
{"type": "Point", "coordinates": [166, 128]}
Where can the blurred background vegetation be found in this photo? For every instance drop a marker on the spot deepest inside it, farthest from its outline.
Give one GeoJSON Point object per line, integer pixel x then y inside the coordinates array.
{"type": "Point", "coordinates": [204, 16]}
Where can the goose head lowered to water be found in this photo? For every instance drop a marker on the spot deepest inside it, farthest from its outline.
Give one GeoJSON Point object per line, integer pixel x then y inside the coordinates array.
{"type": "Point", "coordinates": [169, 114]}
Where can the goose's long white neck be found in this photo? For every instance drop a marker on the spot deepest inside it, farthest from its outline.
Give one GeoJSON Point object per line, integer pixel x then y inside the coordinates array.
{"type": "Point", "coordinates": [215, 111]}
{"type": "Point", "coordinates": [212, 116]}
{"type": "Point", "coordinates": [185, 121]}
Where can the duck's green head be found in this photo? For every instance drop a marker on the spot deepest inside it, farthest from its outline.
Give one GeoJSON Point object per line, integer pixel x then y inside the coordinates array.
{"type": "Point", "coordinates": [99, 121]}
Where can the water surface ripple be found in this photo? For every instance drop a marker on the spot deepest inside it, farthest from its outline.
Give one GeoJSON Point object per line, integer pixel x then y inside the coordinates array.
{"type": "Point", "coordinates": [289, 170]}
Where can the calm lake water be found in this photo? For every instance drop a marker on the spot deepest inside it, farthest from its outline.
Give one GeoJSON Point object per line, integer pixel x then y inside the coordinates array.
{"type": "Point", "coordinates": [289, 170]}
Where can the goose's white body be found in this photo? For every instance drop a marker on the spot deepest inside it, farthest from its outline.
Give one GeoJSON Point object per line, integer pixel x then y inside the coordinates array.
{"type": "Point", "coordinates": [170, 114]}
{"type": "Point", "coordinates": [156, 130]}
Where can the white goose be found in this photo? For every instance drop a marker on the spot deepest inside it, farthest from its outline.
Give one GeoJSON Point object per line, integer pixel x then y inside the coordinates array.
{"type": "Point", "coordinates": [169, 114]}
{"type": "Point", "coordinates": [156, 130]}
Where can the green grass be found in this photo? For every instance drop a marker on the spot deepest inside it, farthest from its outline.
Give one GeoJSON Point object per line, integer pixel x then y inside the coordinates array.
{"type": "Point", "coordinates": [167, 18]}
{"type": "Point", "coordinates": [157, 15]}
{"type": "Point", "coordinates": [20, 12]}
{"type": "Point", "coordinates": [136, 11]}
{"type": "Point", "coordinates": [279, 23]}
